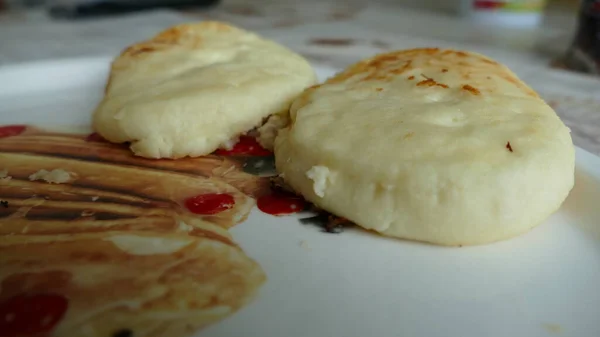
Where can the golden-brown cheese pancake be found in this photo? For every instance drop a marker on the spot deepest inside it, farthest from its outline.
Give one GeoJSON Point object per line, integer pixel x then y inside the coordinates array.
{"type": "Point", "coordinates": [194, 88]}
{"type": "Point", "coordinates": [435, 145]}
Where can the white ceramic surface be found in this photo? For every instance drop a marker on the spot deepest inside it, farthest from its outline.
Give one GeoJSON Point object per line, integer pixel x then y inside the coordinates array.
{"type": "Point", "coordinates": [544, 283]}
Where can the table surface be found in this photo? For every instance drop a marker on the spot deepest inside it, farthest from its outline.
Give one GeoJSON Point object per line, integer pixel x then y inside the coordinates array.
{"type": "Point", "coordinates": [335, 34]}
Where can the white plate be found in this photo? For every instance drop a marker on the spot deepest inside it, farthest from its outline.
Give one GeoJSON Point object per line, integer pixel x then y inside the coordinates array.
{"type": "Point", "coordinates": [543, 283]}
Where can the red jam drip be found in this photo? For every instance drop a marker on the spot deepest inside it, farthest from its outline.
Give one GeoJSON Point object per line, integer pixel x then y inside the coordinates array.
{"type": "Point", "coordinates": [95, 137]}
{"type": "Point", "coordinates": [213, 203]}
{"type": "Point", "coordinates": [31, 314]}
{"type": "Point", "coordinates": [246, 146]}
{"type": "Point", "coordinates": [11, 130]}
{"type": "Point", "coordinates": [280, 203]}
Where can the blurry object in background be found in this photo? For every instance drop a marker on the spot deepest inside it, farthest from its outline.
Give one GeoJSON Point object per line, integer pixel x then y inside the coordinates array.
{"type": "Point", "coordinates": [20, 4]}
{"type": "Point", "coordinates": [584, 53]}
{"type": "Point", "coordinates": [96, 8]}
{"type": "Point", "coordinates": [515, 13]}
{"type": "Point", "coordinates": [440, 6]}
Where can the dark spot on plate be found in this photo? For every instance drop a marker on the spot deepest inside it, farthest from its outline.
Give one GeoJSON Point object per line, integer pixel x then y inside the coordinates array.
{"type": "Point", "coordinates": [259, 166]}
{"type": "Point", "coordinates": [328, 223]}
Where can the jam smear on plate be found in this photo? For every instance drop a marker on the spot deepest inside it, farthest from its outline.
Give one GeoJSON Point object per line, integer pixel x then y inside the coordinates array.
{"type": "Point", "coordinates": [246, 146]}
{"type": "Point", "coordinates": [211, 203]}
{"type": "Point", "coordinates": [280, 203]}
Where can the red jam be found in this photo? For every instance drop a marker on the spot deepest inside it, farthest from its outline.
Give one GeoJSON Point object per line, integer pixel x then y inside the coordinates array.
{"type": "Point", "coordinates": [212, 203]}
{"type": "Point", "coordinates": [31, 314]}
{"type": "Point", "coordinates": [280, 203]}
{"type": "Point", "coordinates": [95, 137]}
{"type": "Point", "coordinates": [246, 146]}
{"type": "Point", "coordinates": [11, 130]}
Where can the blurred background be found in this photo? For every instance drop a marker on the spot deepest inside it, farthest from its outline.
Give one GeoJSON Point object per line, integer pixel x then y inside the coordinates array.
{"type": "Point", "coordinates": [62, 28]}
{"type": "Point", "coordinates": [338, 32]}
{"type": "Point", "coordinates": [553, 45]}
